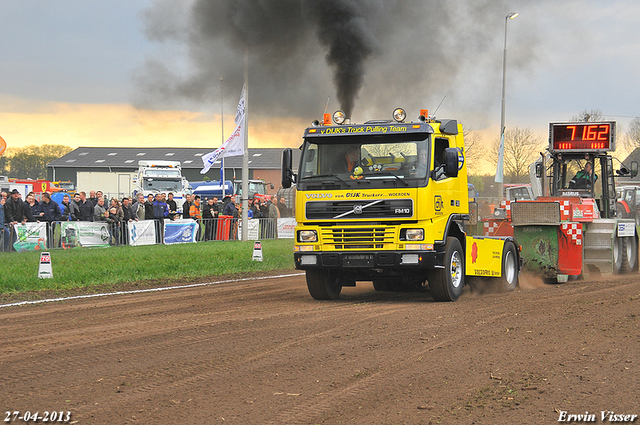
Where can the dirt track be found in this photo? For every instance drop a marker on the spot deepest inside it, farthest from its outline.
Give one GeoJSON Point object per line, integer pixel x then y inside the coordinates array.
{"type": "Point", "coordinates": [264, 352]}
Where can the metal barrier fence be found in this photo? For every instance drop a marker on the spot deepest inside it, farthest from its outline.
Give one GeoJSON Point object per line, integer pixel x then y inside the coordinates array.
{"type": "Point", "coordinates": [70, 234]}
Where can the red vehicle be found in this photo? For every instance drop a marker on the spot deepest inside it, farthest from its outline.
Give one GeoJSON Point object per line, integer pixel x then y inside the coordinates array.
{"type": "Point", "coordinates": [575, 229]}
{"type": "Point", "coordinates": [39, 186]}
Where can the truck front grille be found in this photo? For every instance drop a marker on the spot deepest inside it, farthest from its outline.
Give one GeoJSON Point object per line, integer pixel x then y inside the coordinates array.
{"type": "Point", "coordinates": [358, 238]}
{"type": "Point", "coordinates": [359, 209]}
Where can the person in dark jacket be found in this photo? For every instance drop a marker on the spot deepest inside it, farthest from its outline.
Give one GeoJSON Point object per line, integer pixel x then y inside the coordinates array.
{"type": "Point", "coordinates": [5, 236]}
{"type": "Point", "coordinates": [255, 207]}
{"type": "Point", "coordinates": [171, 204]}
{"type": "Point", "coordinates": [50, 213]}
{"type": "Point", "coordinates": [148, 208]}
{"type": "Point", "coordinates": [74, 208]}
{"type": "Point", "coordinates": [230, 208]}
{"type": "Point", "coordinates": [14, 209]}
{"type": "Point", "coordinates": [160, 209]}
{"type": "Point", "coordinates": [186, 207]}
{"type": "Point", "coordinates": [127, 212]}
{"type": "Point", "coordinates": [49, 210]}
{"type": "Point", "coordinates": [210, 214]}
{"type": "Point", "coordinates": [68, 209]}
{"type": "Point", "coordinates": [32, 208]}
{"type": "Point", "coordinates": [85, 208]}
{"type": "Point", "coordinates": [114, 223]}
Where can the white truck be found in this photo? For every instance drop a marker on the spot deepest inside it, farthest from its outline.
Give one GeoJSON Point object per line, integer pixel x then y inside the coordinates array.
{"type": "Point", "coordinates": [113, 185]}
{"type": "Point", "coordinates": [151, 177]}
{"type": "Point", "coordinates": [161, 177]}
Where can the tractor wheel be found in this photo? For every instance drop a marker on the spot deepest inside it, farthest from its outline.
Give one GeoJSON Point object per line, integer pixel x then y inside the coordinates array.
{"type": "Point", "coordinates": [446, 284]}
{"type": "Point", "coordinates": [322, 285]}
{"type": "Point", "coordinates": [510, 270]}
{"type": "Point", "coordinates": [618, 255]}
{"type": "Point", "coordinates": [630, 254]}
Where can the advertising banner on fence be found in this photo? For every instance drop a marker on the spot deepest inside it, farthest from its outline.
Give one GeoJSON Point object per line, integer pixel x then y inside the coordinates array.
{"type": "Point", "coordinates": [84, 234]}
{"type": "Point", "coordinates": [30, 237]}
{"type": "Point", "coordinates": [286, 227]}
{"type": "Point", "coordinates": [180, 231]}
{"type": "Point", "coordinates": [142, 232]}
{"type": "Point", "coordinates": [253, 230]}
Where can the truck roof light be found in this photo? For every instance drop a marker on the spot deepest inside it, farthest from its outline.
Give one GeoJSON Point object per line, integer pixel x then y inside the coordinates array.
{"type": "Point", "coordinates": [315, 123]}
{"type": "Point", "coordinates": [339, 117]}
{"type": "Point", "coordinates": [399, 114]}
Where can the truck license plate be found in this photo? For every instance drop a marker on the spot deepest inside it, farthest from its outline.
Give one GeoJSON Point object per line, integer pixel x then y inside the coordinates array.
{"type": "Point", "coordinates": [358, 260]}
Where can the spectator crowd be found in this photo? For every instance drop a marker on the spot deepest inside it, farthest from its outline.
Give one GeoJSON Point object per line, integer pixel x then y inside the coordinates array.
{"type": "Point", "coordinates": [117, 213]}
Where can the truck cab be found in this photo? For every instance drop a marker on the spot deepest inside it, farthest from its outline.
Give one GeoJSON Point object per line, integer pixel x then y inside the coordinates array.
{"type": "Point", "coordinates": [388, 202]}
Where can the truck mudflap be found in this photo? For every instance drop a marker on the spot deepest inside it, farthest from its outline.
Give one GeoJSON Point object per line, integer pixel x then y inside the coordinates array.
{"type": "Point", "coordinates": [390, 260]}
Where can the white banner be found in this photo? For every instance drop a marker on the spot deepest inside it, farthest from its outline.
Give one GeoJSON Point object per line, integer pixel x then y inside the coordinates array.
{"type": "Point", "coordinates": [286, 228]}
{"type": "Point", "coordinates": [142, 232]}
{"type": "Point", "coordinates": [30, 237]}
{"type": "Point", "coordinates": [253, 229]}
{"type": "Point", "coordinates": [84, 234]}
{"type": "Point", "coordinates": [234, 145]}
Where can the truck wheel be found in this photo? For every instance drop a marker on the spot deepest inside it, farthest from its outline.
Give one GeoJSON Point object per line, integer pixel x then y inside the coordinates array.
{"type": "Point", "coordinates": [446, 284]}
{"type": "Point", "coordinates": [510, 270]}
{"type": "Point", "coordinates": [322, 286]}
{"type": "Point", "coordinates": [630, 254]}
{"type": "Point", "coordinates": [618, 255]}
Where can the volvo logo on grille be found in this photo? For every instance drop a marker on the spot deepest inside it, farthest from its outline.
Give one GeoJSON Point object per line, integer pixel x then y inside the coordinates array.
{"type": "Point", "coordinates": [357, 209]}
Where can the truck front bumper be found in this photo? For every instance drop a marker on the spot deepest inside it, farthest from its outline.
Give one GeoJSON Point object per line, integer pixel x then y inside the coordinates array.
{"type": "Point", "coordinates": [362, 260]}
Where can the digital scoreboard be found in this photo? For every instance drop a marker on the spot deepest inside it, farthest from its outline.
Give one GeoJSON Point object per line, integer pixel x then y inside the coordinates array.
{"type": "Point", "coordinates": [582, 137]}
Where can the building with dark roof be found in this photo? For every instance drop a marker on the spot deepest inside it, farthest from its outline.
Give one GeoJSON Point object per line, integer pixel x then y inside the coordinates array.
{"type": "Point", "coordinates": [263, 163]}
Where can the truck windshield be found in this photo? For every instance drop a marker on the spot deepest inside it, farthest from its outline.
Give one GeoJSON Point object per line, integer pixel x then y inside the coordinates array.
{"type": "Point", "coordinates": [162, 173]}
{"type": "Point", "coordinates": [162, 184]}
{"type": "Point", "coordinates": [67, 186]}
{"type": "Point", "coordinates": [377, 161]}
{"type": "Point", "coordinates": [254, 188]}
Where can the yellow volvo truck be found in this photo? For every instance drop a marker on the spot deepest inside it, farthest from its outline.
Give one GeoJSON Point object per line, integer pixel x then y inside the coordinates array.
{"type": "Point", "coordinates": [387, 201]}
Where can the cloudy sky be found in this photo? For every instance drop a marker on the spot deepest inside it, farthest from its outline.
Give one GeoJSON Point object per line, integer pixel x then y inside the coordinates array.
{"type": "Point", "coordinates": [147, 73]}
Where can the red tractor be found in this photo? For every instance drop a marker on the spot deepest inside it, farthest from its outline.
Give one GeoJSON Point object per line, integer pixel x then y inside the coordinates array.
{"type": "Point", "coordinates": [574, 229]}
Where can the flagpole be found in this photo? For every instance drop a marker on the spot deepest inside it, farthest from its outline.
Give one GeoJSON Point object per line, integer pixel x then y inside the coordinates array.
{"type": "Point", "coordinates": [245, 156]}
{"type": "Point", "coordinates": [222, 130]}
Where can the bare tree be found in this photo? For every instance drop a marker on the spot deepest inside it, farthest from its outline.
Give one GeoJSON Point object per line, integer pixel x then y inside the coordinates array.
{"type": "Point", "coordinates": [588, 116]}
{"type": "Point", "coordinates": [633, 134]}
{"type": "Point", "coordinates": [473, 151]}
{"type": "Point", "coordinates": [521, 148]}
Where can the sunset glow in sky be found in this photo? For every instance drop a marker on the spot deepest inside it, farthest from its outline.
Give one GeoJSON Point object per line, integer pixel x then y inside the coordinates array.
{"type": "Point", "coordinates": [89, 73]}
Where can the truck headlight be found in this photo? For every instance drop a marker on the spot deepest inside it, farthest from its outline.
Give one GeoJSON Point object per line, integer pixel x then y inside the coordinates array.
{"type": "Point", "coordinates": [414, 235]}
{"type": "Point", "coordinates": [339, 117]}
{"type": "Point", "coordinates": [307, 236]}
{"type": "Point", "coordinates": [399, 115]}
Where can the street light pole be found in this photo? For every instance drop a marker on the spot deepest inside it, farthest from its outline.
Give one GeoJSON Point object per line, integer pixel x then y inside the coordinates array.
{"type": "Point", "coordinates": [500, 170]}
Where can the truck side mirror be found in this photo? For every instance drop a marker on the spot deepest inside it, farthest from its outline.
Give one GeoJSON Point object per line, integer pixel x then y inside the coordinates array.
{"type": "Point", "coordinates": [287, 166]}
{"type": "Point", "coordinates": [451, 162]}
{"type": "Point", "coordinates": [539, 168]}
{"type": "Point", "coordinates": [634, 168]}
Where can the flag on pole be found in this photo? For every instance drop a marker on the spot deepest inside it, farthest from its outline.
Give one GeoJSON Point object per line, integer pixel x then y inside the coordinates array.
{"type": "Point", "coordinates": [234, 145]}
{"type": "Point", "coordinates": [500, 170]}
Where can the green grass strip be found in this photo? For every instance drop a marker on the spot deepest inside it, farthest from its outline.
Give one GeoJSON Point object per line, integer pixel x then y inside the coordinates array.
{"type": "Point", "coordinates": [87, 267]}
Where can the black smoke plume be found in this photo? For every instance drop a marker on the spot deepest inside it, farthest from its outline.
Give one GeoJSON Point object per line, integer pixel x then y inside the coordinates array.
{"type": "Point", "coordinates": [380, 53]}
{"type": "Point", "coordinates": [343, 30]}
